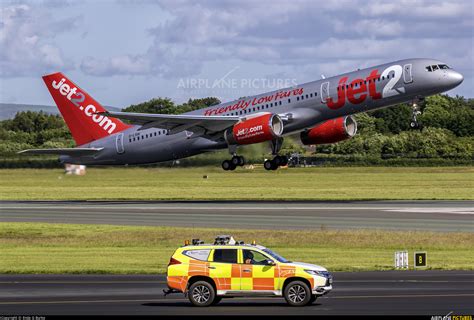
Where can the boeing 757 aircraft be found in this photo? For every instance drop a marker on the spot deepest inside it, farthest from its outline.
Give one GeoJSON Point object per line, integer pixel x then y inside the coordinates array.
{"type": "Point", "coordinates": [319, 111]}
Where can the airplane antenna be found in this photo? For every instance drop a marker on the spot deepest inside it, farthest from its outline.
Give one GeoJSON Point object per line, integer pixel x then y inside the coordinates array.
{"type": "Point", "coordinates": [323, 76]}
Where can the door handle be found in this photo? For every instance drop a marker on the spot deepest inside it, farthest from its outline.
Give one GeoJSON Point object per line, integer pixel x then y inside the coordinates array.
{"type": "Point", "coordinates": [211, 267]}
{"type": "Point", "coordinates": [246, 270]}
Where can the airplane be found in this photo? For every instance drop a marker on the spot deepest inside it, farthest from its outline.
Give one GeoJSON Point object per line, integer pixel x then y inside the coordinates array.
{"type": "Point", "coordinates": [319, 111]}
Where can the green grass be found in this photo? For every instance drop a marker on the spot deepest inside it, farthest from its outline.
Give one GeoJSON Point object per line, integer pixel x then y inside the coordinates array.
{"type": "Point", "coordinates": [66, 248]}
{"type": "Point", "coordinates": [350, 183]}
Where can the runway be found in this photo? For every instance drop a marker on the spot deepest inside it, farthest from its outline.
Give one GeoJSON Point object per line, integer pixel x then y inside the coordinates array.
{"type": "Point", "coordinates": [381, 293]}
{"type": "Point", "coordinates": [446, 216]}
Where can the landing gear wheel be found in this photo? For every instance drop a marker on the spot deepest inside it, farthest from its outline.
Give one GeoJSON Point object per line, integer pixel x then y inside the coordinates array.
{"type": "Point", "coordinates": [284, 161]}
{"type": "Point", "coordinates": [235, 160]}
{"type": "Point", "coordinates": [201, 294]}
{"type": "Point", "coordinates": [277, 160]}
{"type": "Point", "coordinates": [414, 125]}
{"type": "Point", "coordinates": [241, 161]}
{"type": "Point", "coordinates": [297, 294]}
{"type": "Point", "coordinates": [268, 165]}
{"type": "Point", "coordinates": [228, 165]}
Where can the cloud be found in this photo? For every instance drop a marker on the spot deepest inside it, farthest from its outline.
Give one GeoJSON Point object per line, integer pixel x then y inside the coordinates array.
{"type": "Point", "coordinates": [296, 35]}
{"type": "Point", "coordinates": [27, 42]}
{"type": "Point", "coordinates": [123, 64]}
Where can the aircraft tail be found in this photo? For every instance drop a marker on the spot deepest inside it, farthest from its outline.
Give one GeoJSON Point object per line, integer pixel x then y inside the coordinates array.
{"type": "Point", "coordinates": [80, 110]}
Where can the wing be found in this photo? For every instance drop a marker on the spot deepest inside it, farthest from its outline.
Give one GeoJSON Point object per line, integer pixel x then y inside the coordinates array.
{"type": "Point", "coordinates": [177, 123]}
{"type": "Point", "coordinates": [76, 152]}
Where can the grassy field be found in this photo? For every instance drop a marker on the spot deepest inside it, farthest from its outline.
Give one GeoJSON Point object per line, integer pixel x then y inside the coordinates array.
{"type": "Point", "coordinates": [349, 183]}
{"type": "Point", "coordinates": [65, 248]}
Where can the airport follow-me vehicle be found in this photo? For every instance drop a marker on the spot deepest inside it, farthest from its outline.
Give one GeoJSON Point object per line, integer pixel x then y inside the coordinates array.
{"type": "Point", "coordinates": [206, 273]}
{"type": "Point", "coordinates": [319, 111]}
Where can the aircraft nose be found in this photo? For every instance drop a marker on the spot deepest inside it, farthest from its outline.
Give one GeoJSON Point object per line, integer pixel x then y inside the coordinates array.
{"type": "Point", "coordinates": [455, 78]}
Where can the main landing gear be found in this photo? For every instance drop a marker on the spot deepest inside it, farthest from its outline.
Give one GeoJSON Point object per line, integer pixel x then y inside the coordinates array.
{"type": "Point", "coordinates": [277, 161]}
{"type": "Point", "coordinates": [233, 163]}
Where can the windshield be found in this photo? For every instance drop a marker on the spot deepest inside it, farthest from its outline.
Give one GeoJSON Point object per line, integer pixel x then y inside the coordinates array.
{"type": "Point", "coordinates": [276, 256]}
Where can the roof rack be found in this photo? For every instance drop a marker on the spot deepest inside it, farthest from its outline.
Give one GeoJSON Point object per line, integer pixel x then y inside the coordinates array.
{"type": "Point", "coordinates": [219, 240]}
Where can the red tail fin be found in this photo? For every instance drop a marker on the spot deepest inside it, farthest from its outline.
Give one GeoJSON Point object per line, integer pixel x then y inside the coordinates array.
{"type": "Point", "coordinates": [79, 110]}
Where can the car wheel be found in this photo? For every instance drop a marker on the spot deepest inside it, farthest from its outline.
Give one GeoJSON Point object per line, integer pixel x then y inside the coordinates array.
{"type": "Point", "coordinates": [201, 294]}
{"type": "Point", "coordinates": [297, 294]}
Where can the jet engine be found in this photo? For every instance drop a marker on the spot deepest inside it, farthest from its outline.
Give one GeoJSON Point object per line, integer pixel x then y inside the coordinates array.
{"type": "Point", "coordinates": [255, 130]}
{"type": "Point", "coordinates": [330, 131]}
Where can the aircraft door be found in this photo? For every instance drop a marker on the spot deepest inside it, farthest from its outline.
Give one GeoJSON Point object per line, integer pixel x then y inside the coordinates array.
{"type": "Point", "coordinates": [324, 92]}
{"type": "Point", "coordinates": [407, 75]}
{"type": "Point", "coordinates": [119, 143]}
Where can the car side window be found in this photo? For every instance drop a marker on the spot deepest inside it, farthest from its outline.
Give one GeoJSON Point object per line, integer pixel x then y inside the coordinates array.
{"type": "Point", "coordinates": [254, 257]}
{"type": "Point", "coordinates": [201, 254]}
{"type": "Point", "coordinates": [225, 255]}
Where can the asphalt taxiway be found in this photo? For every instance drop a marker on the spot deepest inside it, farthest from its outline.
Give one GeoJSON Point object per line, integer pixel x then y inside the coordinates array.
{"type": "Point", "coordinates": [379, 293]}
{"type": "Point", "coordinates": [442, 216]}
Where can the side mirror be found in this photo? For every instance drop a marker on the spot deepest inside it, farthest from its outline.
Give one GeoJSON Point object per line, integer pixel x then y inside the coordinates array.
{"type": "Point", "coordinates": [270, 263]}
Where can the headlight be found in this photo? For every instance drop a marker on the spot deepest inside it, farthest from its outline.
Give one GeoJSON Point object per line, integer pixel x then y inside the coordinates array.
{"type": "Point", "coordinates": [324, 274]}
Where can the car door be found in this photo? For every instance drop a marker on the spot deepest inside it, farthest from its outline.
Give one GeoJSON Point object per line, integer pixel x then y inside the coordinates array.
{"type": "Point", "coordinates": [224, 269]}
{"type": "Point", "coordinates": [257, 274]}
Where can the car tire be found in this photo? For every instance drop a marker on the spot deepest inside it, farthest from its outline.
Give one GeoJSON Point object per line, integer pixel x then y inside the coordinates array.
{"type": "Point", "coordinates": [313, 299]}
{"type": "Point", "coordinates": [201, 294]}
{"type": "Point", "coordinates": [297, 294]}
{"type": "Point", "coordinates": [216, 300]}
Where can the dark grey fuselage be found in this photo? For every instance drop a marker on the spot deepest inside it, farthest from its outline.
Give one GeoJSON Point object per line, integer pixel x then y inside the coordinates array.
{"type": "Point", "coordinates": [407, 80]}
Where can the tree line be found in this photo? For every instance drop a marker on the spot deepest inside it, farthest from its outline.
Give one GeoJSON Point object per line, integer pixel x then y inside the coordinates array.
{"type": "Point", "coordinates": [446, 132]}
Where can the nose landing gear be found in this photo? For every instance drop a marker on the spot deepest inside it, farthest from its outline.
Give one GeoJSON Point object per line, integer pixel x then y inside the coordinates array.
{"type": "Point", "coordinates": [414, 124]}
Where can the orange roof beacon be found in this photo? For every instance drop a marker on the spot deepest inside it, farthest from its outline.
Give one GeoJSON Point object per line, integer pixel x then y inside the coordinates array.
{"type": "Point", "coordinates": [206, 273]}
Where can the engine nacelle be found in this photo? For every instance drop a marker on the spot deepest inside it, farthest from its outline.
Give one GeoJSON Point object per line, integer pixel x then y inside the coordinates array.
{"type": "Point", "coordinates": [255, 130]}
{"type": "Point", "coordinates": [331, 131]}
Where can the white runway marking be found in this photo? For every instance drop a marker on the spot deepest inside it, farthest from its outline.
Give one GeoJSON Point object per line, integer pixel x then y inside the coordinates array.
{"type": "Point", "coordinates": [435, 210]}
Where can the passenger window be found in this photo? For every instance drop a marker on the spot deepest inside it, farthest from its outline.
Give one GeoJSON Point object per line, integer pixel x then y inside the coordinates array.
{"type": "Point", "coordinates": [202, 254]}
{"type": "Point", "coordinates": [225, 255]}
{"type": "Point", "coordinates": [254, 257]}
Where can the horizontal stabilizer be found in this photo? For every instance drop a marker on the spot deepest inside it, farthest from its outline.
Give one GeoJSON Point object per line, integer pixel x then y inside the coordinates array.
{"type": "Point", "coordinates": [75, 152]}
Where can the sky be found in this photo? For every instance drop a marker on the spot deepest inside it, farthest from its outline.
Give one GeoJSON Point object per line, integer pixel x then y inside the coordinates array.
{"type": "Point", "coordinates": [126, 52]}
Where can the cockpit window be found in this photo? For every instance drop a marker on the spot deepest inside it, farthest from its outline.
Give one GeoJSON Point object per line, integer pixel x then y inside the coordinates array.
{"type": "Point", "coordinates": [435, 67]}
